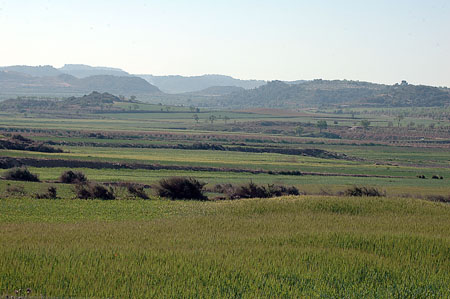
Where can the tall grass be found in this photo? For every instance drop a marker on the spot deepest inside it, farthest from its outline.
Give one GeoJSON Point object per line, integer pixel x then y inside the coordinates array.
{"type": "Point", "coordinates": [288, 247]}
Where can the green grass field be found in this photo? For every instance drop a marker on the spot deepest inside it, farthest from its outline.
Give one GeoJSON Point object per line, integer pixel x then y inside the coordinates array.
{"type": "Point", "coordinates": [286, 247]}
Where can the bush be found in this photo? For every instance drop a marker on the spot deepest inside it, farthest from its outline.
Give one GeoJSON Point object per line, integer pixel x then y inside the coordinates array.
{"type": "Point", "coordinates": [181, 188]}
{"type": "Point", "coordinates": [363, 191]}
{"type": "Point", "coordinates": [50, 194]}
{"type": "Point", "coordinates": [21, 174]}
{"type": "Point", "coordinates": [279, 190]}
{"type": "Point", "coordinates": [137, 191]}
{"type": "Point", "coordinates": [439, 198]}
{"type": "Point", "coordinates": [252, 190]}
{"type": "Point", "coordinates": [20, 138]}
{"type": "Point", "coordinates": [72, 177]}
{"type": "Point", "coordinates": [93, 191]}
{"type": "Point", "coordinates": [15, 190]}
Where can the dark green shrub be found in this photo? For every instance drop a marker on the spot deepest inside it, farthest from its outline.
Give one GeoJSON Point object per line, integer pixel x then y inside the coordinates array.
{"type": "Point", "coordinates": [252, 190]}
{"type": "Point", "coordinates": [363, 191]}
{"type": "Point", "coordinates": [50, 194]}
{"type": "Point", "coordinates": [280, 190]}
{"type": "Point", "coordinates": [137, 191]}
{"type": "Point", "coordinates": [72, 177]}
{"type": "Point", "coordinates": [438, 198]}
{"type": "Point", "coordinates": [21, 174]}
{"type": "Point", "coordinates": [93, 191]}
{"type": "Point", "coordinates": [181, 188]}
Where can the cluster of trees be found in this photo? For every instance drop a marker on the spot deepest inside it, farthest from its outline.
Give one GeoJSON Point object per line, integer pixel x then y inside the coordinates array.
{"type": "Point", "coordinates": [212, 118]}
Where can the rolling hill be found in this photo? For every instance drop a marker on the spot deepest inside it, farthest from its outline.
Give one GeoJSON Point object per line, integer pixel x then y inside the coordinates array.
{"type": "Point", "coordinates": [277, 94]}
{"type": "Point", "coordinates": [20, 83]}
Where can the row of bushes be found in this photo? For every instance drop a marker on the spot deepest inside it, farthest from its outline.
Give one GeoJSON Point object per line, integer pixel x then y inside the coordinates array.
{"type": "Point", "coordinates": [252, 190]}
{"type": "Point", "coordinates": [173, 188]}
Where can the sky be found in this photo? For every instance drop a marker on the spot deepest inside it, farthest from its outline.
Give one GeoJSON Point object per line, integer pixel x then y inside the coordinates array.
{"type": "Point", "coordinates": [376, 41]}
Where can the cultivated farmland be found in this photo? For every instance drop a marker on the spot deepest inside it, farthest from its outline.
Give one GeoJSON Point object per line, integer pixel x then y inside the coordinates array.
{"type": "Point", "coordinates": [58, 240]}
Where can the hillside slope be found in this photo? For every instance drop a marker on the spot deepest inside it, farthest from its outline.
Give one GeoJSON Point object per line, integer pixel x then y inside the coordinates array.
{"type": "Point", "coordinates": [336, 93]}
{"type": "Point", "coordinates": [14, 82]}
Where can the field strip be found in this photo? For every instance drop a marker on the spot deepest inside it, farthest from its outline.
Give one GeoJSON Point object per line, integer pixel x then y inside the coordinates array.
{"type": "Point", "coordinates": [7, 162]}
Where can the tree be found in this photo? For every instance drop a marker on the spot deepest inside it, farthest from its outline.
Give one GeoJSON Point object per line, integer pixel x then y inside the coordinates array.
{"type": "Point", "coordinates": [226, 118]}
{"type": "Point", "coordinates": [322, 125]}
{"type": "Point", "coordinates": [212, 118]}
{"type": "Point", "coordinates": [365, 124]}
{"type": "Point", "coordinates": [196, 118]}
{"type": "Point", "coordinates": [299, 130]}
{"type": "Point", "coordinates": [400, 117]}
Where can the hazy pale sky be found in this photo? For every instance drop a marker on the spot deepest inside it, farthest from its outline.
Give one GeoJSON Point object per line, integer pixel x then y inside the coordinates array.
{"type": "Point", "coordinates": [378, 41]}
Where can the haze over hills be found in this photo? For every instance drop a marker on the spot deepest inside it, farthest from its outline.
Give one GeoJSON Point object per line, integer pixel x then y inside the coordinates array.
{"type": "Point", "coordinates": [168, 84]}
{"type": "Point", "coordinates": [20, 83]}
{"type": "Point", "coordinates": [215, 90]}
{"type": "Point", "coordinates": [36, 71]}
{"type": "Point", "coordinates": [180, 84]}
{"type": "Point", "coordinates": [83, 71]}
{"type": "Point", "coordinates": [76, 70]}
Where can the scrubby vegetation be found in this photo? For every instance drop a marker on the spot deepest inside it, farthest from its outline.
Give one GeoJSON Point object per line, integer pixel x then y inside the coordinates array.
{"type": "Point", "coordinates": [181, 188]}
{"type": "Point", "coordinates": [50, 194]}
{"type": "Point", "coordinates": [18, 142]}
{"type": "Point", "coordinates": [363, 191]}
{"type": "Point", "coordinates": [94, 191]}
{"type": "Point", "coordinates": [15, 190]}
{"type": "Point", "coordinates": [21, 174]}
{"type": "Point", "coordinates": [252, 190]}
{"type": "Point", "coordinates": [72, 177]}
{"type": "Point", "coordinates": [137, 190]}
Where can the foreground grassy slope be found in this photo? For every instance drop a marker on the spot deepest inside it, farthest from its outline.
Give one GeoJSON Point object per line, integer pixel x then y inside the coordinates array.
{"type": "Point", "coordinates": [298, 246]}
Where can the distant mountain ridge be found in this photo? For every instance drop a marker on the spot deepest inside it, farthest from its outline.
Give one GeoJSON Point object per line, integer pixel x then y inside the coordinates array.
{"type": "Point", "coordinates": [14, 82]}
{"type": "Point", "coordinates": [181, 84]}
{"type": "Point", "coordinates": [83, 71]}
{"type": "Point", "coordinates": [215, 91]}
{"type": "Point", "coordinates": [35, 71]}
{"type": "Point", "coordinates": [169, 84]}
{"type": "Point", "coordinates": [76, 70]}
